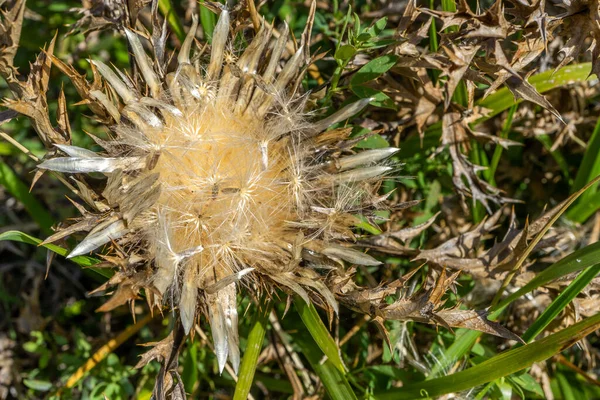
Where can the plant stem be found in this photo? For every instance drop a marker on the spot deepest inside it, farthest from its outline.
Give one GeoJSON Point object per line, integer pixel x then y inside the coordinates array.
{"type": "Point", "coordinates": [253, 348]}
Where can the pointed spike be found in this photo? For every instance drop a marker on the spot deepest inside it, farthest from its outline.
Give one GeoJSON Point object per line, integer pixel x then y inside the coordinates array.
{"type": "Point", "coordinates": [267, 77]}
{"type": "Point", "coordinates": [106, 103]}
{"type": "Point", "coordinates": [184, 52]}
{"type": "Point", "coordinates": [116, 82]}
{"type": "Point", "coordinates": [76, 165]}
{"type": "Point", "coordinates": [276, 53]}
{"type": "Point", "coordinates": [350, 255]}
{"type": "Point", "coordinates": [216, 316]}
{"type": "Point", "coordinates": [161, 105]}
{"type": "Point", "coordinates": [341, 115]}
{"type": "Point", "coordinates": [361, 174]}
{"type": "Point", "coordinates": [285, 76]}
{"type": "Point", "coordinates": [190, 252]}
{"type": "Point", "coordinates": [142, 62]}
{"type": "Point", "coordinates": [99, 237]}
{"type": "Point", "coordinates": [228, 280]}
{"type": "Point", "coordinates": [220, 35]}
{"type": "Point", "coordinates": [249, 60]}
{"type": "Point", "coordinates": [187, 302]}
{"type": "Point", "coordinates": [75, 151]}
{"type": "Point", "coordinates": [147, 116]}
{"type": "Point", "coordinates": [231, 319]}
{"type": "Point", "coordinates": [365, 158]}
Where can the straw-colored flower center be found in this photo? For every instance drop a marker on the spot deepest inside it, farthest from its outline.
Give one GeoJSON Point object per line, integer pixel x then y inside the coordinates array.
{"type": "Point", "coordinates": [224, 185]}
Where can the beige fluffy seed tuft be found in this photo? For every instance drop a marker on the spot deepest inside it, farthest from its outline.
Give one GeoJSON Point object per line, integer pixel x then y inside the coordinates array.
{"type": "Point", "coordinates": [216, 179]}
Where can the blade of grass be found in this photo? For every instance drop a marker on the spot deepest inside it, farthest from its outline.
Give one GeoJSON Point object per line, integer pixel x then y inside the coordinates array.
{"type": "Point", "coordinates": [590, 165]}
{"type": "Point", "coordinates": [572, 263]}
{"type": "Point", "coordinates": [565, 205]}
{"type": "Point", "coordinates": [562, 301]}
{"type": "Point", "coordinates": [253, 348]}
{"type": "Point", "coordinates": [311, 319]}
{"type": "Point", "coordinates": [576, 261]}
{"type": "Point", "coordinates": [208, 21]}
{"type": "Point", "coordinates": [166, 8]}
{"type": "Point", "coordinates": [556, 307]}
{"type": "Point", "coordinates": [490, 173]}
{"type": "Point", "coordinates": [334, 380]}
{"type": "Point", "coordinates": [542, 82]}
{"type": "Point", "coordinates": [585, 209]}
{"type": "Point", "coordinates": [503, 364]}
{"type": "Point", "coordinates": [84, 261]}
{"type": "Point", "coordinates": [20, 191]}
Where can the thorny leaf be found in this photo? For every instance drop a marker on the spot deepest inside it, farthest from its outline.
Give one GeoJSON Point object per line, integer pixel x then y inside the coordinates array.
{"type": "Point", "coordinates": [159, 351]}
{"type": "Point", "coordinates": [426, 307]}
{"type": "Point", "coordinates": [522, 89]}
{"type": "Point", "coordinates": [460, 59]}
{"type": "Point", "coordinates": [105, 14]}
{"type": "Point", "coordinates": [454, 136]}
{"type": "Point", "coordinates": [10, 33]}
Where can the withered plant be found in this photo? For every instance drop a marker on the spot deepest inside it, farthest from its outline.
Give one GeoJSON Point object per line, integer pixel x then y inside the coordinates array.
{"type": "Point", "coordinates": [224, 168]}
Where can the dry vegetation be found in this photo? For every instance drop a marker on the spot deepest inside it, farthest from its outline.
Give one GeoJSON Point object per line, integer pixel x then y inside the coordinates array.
{"type": "Point", "coordinates": [299, 199]}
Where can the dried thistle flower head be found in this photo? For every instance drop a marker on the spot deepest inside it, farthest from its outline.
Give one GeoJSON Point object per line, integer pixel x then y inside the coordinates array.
{"type": "Point", "coordinates": [216, 180]}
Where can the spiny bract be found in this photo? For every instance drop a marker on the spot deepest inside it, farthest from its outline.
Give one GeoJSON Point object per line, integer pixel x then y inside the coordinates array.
{"type": "Point", "coordinates": [217, 180]}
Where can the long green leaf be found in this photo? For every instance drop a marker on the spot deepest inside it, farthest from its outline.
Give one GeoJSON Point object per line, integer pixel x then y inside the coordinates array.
{"type": "Point", "coordinates": [20, 191]}
{"type": "Point", "coordinates": [253, 348]}
{"type": "Point", "coordinates": [585, 208]}
{"type": "Point", "coordinates": [166, 8]}
{"type": "Point", "coordinates": [590, 165]}
{"type": "Point", "coordinates": [574, 262]}
{"type": "Point", "coordinates": [319, 332]}
{"type": "Point", "coordinates": [84, 261]}
{"type": "Point", "coordinates": [334, 380]}
{"type": "Point", "coordinates": [208, 21]}
{"type": "Point", "coordinates": [503, 98]}
{"type": "Point", "coordinates": [560, 302]}
{"type": "Point", "coordinates": [533, 243]}
{"type": "Point", "coordinates": [497, 367]}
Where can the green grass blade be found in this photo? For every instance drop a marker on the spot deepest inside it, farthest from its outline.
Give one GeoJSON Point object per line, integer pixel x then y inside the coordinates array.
{"type": "Point", "coordinates": [585, 208]}
{"type": "Point", "coordinates": [490, 173]}
{"type": "Point", "coordinates": [253, 348]}
{"type": "Point", "coordinates": [574, 262]}
{"type": "Point", "coordinates": [208, 21]}
{"type": "Point", "coordinates": [319, 332]}
{"type": "Point", "coordinates": [166, 8]}
{"type": "Point", "coordinates": [503, 98]}
{"type": "Point", "coordinates": [561, 302]}
{"type": "Point", "coordinates": [590, 165]}
{"type": "Point", "coordinates": [498, 366]}
{"type": "Point", "coordinates": [334, 380]}
{"type": "Point", "coordinates": [84, 261]}
{"type": "Point", "coordinates": [455, 352]}
{"type": "Point", "coordinates": [533, 243]}
{"type": "Point", "coordinates": [20, 191]}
